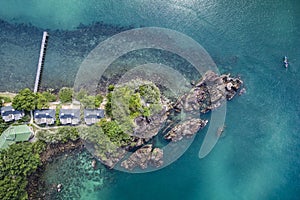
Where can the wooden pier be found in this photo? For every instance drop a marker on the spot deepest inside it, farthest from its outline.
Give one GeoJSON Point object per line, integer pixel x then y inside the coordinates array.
{"type": "Point", "coordinates": [41, 61]}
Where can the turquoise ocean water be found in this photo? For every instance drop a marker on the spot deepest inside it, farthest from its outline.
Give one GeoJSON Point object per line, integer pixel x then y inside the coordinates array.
{"type": "Point", "coordinates": [259, 157]}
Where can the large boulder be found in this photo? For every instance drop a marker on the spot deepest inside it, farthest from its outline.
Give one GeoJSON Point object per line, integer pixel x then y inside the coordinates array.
{"type": "Point", "coordinates": [209, 93]}
{"type": "Point", "coordinates": [144, 156]}
{"type": "Point", "coordinates": [186, 129]}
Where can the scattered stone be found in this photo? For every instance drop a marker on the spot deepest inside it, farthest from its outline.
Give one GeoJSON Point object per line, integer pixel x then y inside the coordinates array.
{"type": "Point", "coordinates": [242, 91]}
{"type": "Point", "coordinates": [94, 162]}
{"type": "Point", "coordinates": [59, 187]}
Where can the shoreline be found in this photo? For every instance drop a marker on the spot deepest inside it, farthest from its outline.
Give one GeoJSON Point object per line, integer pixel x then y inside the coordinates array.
{"type": "Point", "coordinates": [8, 94]}
{"type": "Point", "coordinates": [51, 152]}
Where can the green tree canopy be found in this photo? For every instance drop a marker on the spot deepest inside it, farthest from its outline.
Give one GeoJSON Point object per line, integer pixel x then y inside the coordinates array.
{"type": "Point", "coordinates": [3, 125]}
{"type": "Point", "coordinates": [16, 164]}
{"type": "Point", "coordinates": [98, 100]}
{"type": "Point", "coordinates": [4, 99]}
{"type": "Point", "coordinates": [81, 94]}
{"type": "Point", "coordinates": [150, 93]}
{"type": "Point", "coordinates": [65, 94]}
{"type": "Point", "coordinates": [108, 105]}
{"type": "Point", "coordinates": [25, 100]}
{"type": "Point", "coordinates": [49, 96]}
{"type": "Point", "coordinates": [42, 102]}
{"type": "Point", "coordinates": [88, 101]}
{"type": "Point", "coordinates": [111, 88]}
{"type": "Point", "coordinates": [116, 135]}
{"type": "Point", "coordinates": [126, 102]}
{"type": "Point", "coordinates": [63, 135]}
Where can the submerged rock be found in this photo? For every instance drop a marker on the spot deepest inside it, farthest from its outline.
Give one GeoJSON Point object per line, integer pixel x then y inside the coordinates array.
{"type": "Point", "coordinates": [94, 163]}
{"type": "Point", "coordinates": [242, 91]}
{"type": "Point", "coordinates": [59, 187]}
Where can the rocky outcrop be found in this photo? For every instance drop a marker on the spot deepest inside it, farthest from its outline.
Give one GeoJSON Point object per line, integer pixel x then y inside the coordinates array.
{"type": "Point", "coordinates": [147, 127]}
{"type": "Point", "coordinates": [143, 157]}
{"type": "Point", "coordinates": [185, 129]}
{"type": "Point", "coordinates": [110, 157]}
{"type": "Point", "coordinates": [156, 157]}
{"type": "Point", "coordinates": [51, 152]}
{"type": "Point", "coordinates": [209, 93]}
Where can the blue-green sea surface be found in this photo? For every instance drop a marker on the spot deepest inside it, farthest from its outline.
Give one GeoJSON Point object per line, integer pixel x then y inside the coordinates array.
{"type": "Point", "coordinates": [258, 157]}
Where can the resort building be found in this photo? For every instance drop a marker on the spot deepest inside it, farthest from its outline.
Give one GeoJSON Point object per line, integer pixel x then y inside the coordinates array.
{"type": "Point", "coordinates": [15, 134]}
{"type": "Point", "coordinates": [8, 114]}
{"type": "Point", "coordinates": [93, 116]}
{"type": "Point", "coordinates": [69, 116]}
{"type": "Point", "coordinates": [44, 116]}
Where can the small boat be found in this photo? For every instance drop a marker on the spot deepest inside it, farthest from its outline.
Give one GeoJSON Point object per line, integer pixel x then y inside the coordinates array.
{"type": "Point", "coordinates": [285, 61]}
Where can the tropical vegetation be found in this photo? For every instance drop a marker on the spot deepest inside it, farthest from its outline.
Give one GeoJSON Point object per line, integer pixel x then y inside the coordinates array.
{"type": "Point", "coordinates": [65, 94]}
{"type": "Point", "coordinates": [4, 99]}
{"type": "Point", "coordinates": [16, 163]}
{"type": "Point", "coordinates": [115, 134]}
{"type": "Point", "coordinates": [49, 96]}
{"type": "Point", "coordinates": [108, 108]}
{"type": "Point", "coordinates": [25, 100]}
{"type": "Point", "coordinates": [3, 125]}
{"type": "Point", "coordinates": [124, 104]}
{"type": "Point", "coordinates": [63, 135]}
{"type": "Point", "coordinates": [42, 102]}
{"type": "Point", "coordinates": [106, 139]}
{"type": "Point", "coordinates": [88, 101]}
{"type": "Point", "coordinates": [132, 100]}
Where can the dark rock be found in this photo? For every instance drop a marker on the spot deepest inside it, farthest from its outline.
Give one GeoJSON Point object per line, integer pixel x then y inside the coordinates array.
{"type": "Point", "coordinates": [147, 127]}
{"type": "Point", "coordinates": [144, 156]}
{"type": "Point", "coordinates": [185, 129]}
{"type": "Point", "coordinates": [209, 93]}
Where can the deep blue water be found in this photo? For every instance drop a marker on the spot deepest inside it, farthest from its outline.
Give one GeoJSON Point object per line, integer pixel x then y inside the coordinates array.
{"type": "Point", "coordinates": [259, 156]}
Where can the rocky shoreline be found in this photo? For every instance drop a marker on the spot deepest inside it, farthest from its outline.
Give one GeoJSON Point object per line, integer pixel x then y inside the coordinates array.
{"type": "Point", "coordinates": [51, 151]}
{"type": "Point", "coordinates": [147, 155]}
{"type": "Point", "coordinates": [208, 94]}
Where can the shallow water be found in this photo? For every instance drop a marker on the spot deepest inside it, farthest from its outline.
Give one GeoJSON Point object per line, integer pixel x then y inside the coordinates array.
{"type": "Point", "coordinates": [258, 158]}
{"type": "Point", "coordinates": [74, 171]}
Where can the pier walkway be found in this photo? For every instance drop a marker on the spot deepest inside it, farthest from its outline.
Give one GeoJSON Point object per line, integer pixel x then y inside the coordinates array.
{"type": "Point", "coordinates": [41, 61]}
